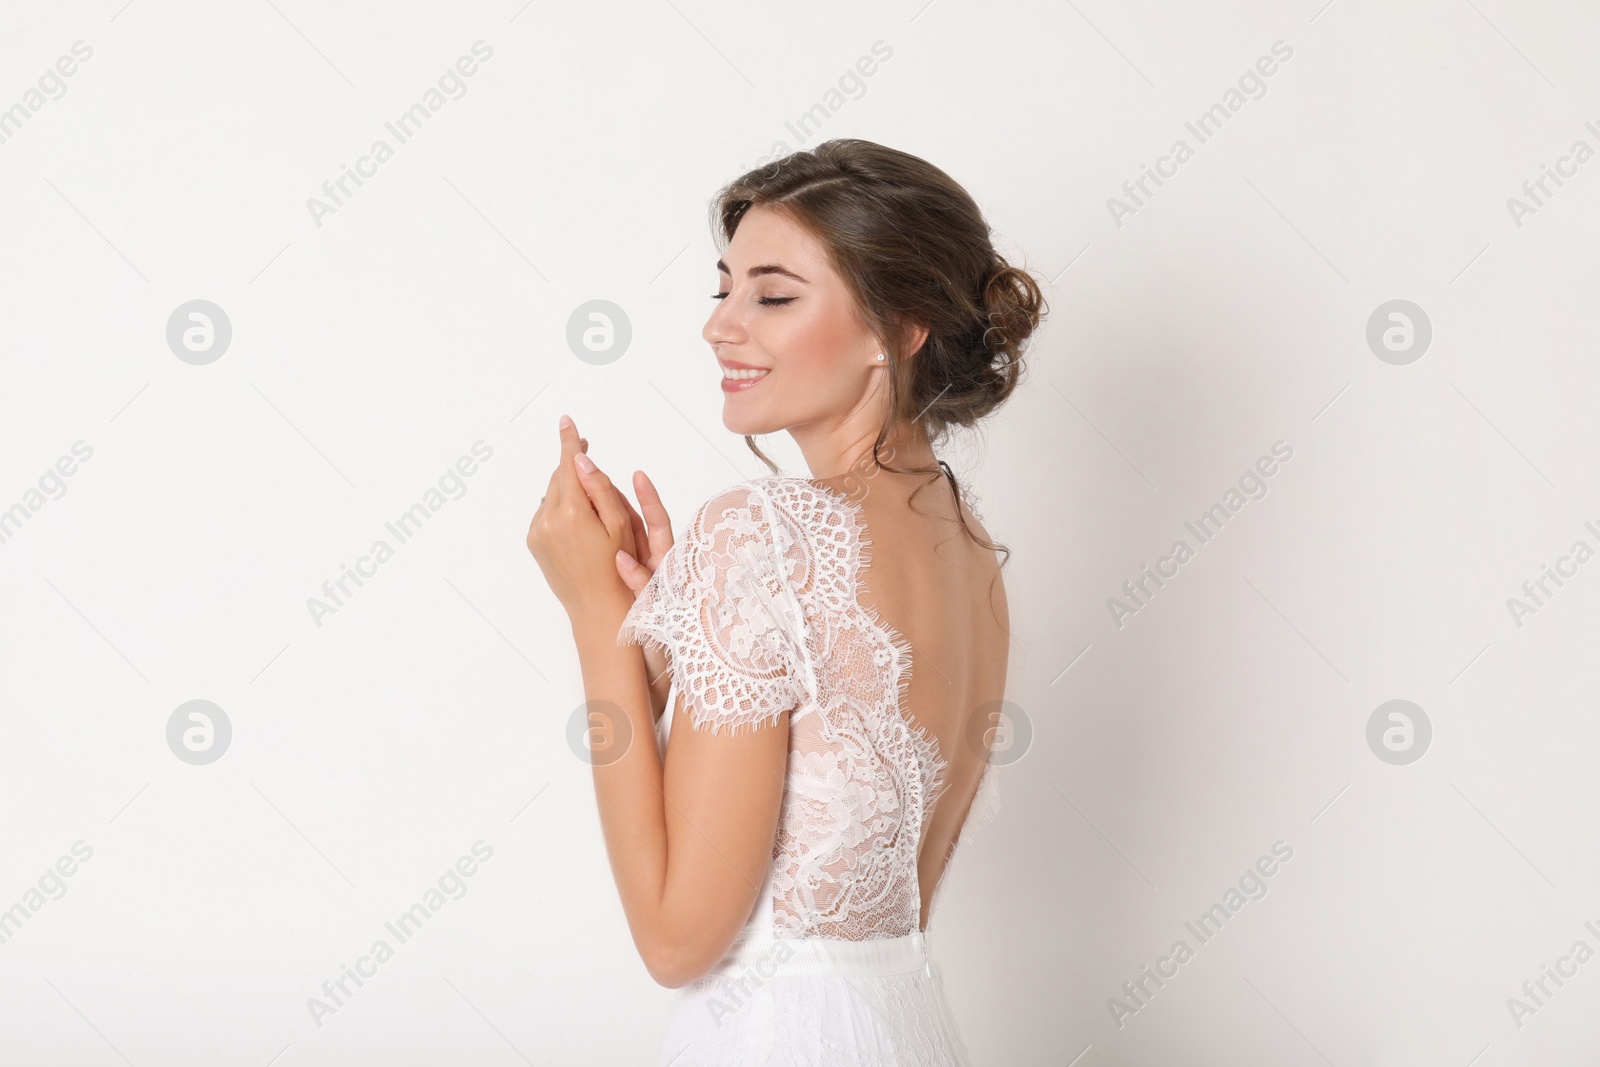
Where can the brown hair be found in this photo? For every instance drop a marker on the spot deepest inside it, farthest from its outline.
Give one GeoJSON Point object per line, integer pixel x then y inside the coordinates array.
{"type": "Point", "coordinates": [915, 250]}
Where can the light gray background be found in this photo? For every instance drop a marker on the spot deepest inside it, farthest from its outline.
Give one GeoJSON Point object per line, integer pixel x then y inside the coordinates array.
{"type": "Point", "coordinates": [430, 312]}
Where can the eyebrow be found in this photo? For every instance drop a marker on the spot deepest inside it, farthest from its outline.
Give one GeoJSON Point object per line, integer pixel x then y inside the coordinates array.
{"type": "Point", "coordinates": [765, 268]}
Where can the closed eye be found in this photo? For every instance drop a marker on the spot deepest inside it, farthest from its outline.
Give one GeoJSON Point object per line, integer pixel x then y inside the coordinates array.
{"type": "Point", "coordinates": [769, 301]}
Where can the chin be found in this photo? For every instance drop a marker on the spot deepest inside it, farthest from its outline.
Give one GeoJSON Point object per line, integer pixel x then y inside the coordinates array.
{"type": "Point", "coordinates": [742, 423]}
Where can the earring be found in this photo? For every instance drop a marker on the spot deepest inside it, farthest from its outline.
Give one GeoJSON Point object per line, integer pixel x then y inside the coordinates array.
{"type": "Point", "coordinates": [880, 357]}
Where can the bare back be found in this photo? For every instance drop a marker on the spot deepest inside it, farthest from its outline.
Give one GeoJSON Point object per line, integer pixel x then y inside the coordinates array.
{"type": "Point", "coordinates": [943, 592]}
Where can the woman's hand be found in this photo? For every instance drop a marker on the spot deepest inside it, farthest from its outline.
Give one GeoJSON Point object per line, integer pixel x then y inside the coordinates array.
{"type": "Point", "coordinates": [578, 531]}
{"type": "Point", "coordinates": [653, 531]}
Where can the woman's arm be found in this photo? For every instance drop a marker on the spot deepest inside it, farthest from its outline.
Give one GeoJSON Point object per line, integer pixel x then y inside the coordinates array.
{"type": "Point", "coordinates": [690, 840]}
{"type": "Point", "coordinates": [660, 676]}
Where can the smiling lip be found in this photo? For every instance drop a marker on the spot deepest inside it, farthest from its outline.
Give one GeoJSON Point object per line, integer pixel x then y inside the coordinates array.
{"type": "Point", "coordinates": [739, 385]}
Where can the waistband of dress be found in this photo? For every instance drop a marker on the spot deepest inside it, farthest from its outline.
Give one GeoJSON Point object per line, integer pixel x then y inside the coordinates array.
{"type": "Point", "coordinates": [825, 956]}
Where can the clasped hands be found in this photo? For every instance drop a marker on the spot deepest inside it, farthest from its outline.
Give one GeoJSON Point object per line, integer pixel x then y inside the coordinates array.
{"type": "Point", "coordinates": [587, 537]}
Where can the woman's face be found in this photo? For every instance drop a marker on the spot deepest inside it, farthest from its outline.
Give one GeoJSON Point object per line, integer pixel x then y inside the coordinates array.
{"type": "Point", "coordinates": [783, 310]}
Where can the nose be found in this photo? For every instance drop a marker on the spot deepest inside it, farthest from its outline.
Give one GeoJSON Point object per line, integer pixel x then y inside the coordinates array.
{"type": "Point", "coordinates": [726, 325]}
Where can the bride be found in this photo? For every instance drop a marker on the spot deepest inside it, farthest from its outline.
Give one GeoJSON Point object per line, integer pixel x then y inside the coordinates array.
{"type": "Point", "coordinates": [816, 666]}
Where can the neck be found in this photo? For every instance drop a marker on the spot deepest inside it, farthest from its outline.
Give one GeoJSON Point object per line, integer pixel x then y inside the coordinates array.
{"type": "Point", "coordinates": [840, 451]}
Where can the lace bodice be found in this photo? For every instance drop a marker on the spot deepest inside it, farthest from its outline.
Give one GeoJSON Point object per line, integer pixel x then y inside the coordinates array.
{"type": "Point", "coordinates": [757, 606]}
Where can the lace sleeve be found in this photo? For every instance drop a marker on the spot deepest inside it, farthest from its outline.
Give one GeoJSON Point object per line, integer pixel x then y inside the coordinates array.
{"type": "Point", "coordinates": [720, 607]}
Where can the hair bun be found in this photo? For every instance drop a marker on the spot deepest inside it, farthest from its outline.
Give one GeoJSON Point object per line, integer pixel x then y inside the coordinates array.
{"type": "Point", "coordinates": [1013, 306]}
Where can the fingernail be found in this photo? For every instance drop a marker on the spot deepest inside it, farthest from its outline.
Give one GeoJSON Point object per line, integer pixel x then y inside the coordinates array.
{"type": "Point", "coordinates": [585, 464]}
{"type": "Point", "coordinates": [566, 422]}
{"type": "Point", "coordinates": [625, 559]}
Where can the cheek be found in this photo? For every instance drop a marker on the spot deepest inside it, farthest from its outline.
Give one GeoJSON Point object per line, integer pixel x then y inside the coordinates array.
{"type": "Point", "coordinates": [811, 342]}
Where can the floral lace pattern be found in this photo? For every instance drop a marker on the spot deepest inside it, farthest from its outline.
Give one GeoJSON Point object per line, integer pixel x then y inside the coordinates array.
{"type": "Point", "coordinates": [862, 778]}
{"type": "Point", "coordinates": [720, 607]}
{"type": "Point", "coordinates": [757, 608]}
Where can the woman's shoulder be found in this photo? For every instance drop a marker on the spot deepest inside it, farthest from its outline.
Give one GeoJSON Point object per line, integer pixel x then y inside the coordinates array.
{"type": "Point", "coordinates": [766, 511]}
{"type": "Point", "coordinates": [771, 502]}
{"type": "Point", "coordinates": [807, 501]}
{"type": "Point", "coordinates": [743, 503]}
{"type": "Point", "coordinates": [809, 533]}
{"type": "Point", "coordinates": [738, 530]}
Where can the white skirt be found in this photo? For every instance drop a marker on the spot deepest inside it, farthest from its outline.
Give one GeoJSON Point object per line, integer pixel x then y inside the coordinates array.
{"type": "Point", "coordinates": [817, 1002]}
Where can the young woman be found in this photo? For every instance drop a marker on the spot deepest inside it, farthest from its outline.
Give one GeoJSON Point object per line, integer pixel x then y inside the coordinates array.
{"type": "Point", "coordinates": [831, 722]}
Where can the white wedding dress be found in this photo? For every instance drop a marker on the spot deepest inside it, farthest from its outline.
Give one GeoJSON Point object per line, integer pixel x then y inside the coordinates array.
{"type": "Point", "coordinates": [758, 607]}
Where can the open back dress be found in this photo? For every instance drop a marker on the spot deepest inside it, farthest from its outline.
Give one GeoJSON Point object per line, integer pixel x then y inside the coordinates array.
{"type": "Point", "coordinates": [758, 608]}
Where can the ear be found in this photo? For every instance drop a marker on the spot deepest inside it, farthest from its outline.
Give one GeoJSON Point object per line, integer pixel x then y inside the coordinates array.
{"type": "Point", "coordinates": [914, 337]}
